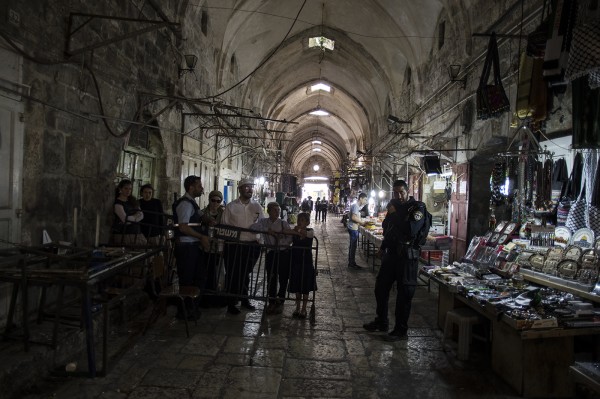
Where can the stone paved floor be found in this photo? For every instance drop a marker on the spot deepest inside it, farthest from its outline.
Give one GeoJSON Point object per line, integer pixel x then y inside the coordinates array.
{"type": "Point", "coordinates": [281, 357]}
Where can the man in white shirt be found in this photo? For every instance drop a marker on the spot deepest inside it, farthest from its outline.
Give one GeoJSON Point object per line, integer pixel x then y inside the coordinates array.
{"type": "Point", "coordinates": [354, 220]}
{"type": "Point", "coordinates": [277, 260]}
{"type": "Point", "coordinates": [240, 257]}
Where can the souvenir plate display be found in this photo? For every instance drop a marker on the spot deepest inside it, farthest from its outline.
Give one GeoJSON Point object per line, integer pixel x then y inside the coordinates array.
{"type": "Point", "coordinates": [500, 226]}
{"type": "Point", "coordinates": [562, 236]}
{"type": "Point", "coordinates": [494, 239]}
{"type": "Point", "coordinates": [568, 268]}
{"type": "Point", "coordinates": [523, 259]}
{"type": "Point", "coordinates": [510, 229]}
{"type": "Point", "coordinates": [588, 274]}
{"type": "Point", "coordinates": [537, 262]}
{"type": "Point", "coordinates": [488, 235]}
{"type": "Point", "coordinates": [573, 252]}
{"type": "Point", "coordinates": [553, 258]}
{"type": "Point", "coordinates": [583, 238]}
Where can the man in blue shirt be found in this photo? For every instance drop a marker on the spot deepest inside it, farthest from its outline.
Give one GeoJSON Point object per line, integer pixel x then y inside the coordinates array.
{"type": "Point", "coordinates": [354, 220]}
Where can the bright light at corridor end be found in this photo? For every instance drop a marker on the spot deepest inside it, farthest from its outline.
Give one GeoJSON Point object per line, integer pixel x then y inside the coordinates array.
{"type": "Point", "coordinates": [316, 168]}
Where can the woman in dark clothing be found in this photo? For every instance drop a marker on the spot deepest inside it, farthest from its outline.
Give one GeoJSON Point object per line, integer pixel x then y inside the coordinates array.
{"type": "Point", "coordinates": [126, 230]}
{"type": "Point", "coordinates": [152, 227]}
{"type": "Point", "coordinates": [302, 278]}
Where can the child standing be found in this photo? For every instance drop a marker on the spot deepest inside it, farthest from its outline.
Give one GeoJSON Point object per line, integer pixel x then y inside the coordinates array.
{"type": "Point", "coordinates": [302, 276]}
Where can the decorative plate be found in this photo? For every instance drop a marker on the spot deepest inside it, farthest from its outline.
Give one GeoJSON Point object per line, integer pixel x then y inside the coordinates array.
{"type": "Point", "coordinates": [597, 244]}
{"type": "Point", "coordinates": [488, 235]}
{"type": "Point", "coordinates": [589, 259]}
{"type": "Point", "coordinates": [573, 252]}
{"type": "Point", "coordinates": [583, 238]}
{"type": "Point", "coordinates": [551, 266]}
{"type": "Point", "coordinates": [523, 259]}
{"type": "Point", "coordinates": [504, 238]}
{"type": "Point", "coordinates": [537, 262]}
{"type": "Point", "coordinates": [568, 268]}
{"type": "Point", "coordinates": [500, 226]}
{"type": "Point", "coordinates": [510, 229]}
{"type": "Point", "coordinates": [494, 239]}
{"type": "Point", "coordinates": [555, 253]}
{"type": "Point", "coordinates": [562, 236]}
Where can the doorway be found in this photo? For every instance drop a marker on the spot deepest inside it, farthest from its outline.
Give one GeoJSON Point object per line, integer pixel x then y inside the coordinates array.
{"type": "Point", "coordinates": [11, 149]}
{"type": "Point", "coordinates": [315, 190]}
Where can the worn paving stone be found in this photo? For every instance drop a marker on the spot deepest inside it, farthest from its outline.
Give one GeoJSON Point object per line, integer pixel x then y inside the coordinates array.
{"type": "Point", "coordinates": [204, 344]}
{"type": "Point", "coordinates": [241, 345]}
{"type": "Point", "coordinates": [269, 357]}
{"type": "Point", "coordinates": [313, 388]}
{"type": "Point", "coordinates": [192, 362]}
{"type": "Point", "coordinates": [326, 349]}
{"type": "Point", "coordinates": [233, 359]}
{"type": "Point", "coordinates": [174, 378]}
{"type": "Point", "coordinates": [298, 368]}
{"type": "Point", "coordinates": [246, 382]}
{"type": "Point", "coordinates": [158, 393]}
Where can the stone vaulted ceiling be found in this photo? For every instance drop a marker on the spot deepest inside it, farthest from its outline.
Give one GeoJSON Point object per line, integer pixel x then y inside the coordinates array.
{"type": "Point", "coordinates": [375, 41]}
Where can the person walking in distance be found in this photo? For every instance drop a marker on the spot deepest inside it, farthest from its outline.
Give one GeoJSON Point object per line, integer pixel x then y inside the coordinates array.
{"type": "Point", "coordinates": [403, 230]}
{"type": "Point", "coordinates": [354, 220]}
{"type": "Point", "coordinates": [240, 257]}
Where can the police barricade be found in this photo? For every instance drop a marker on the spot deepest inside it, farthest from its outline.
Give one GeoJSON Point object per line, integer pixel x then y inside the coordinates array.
{"type": "Point", "coordinates": [263, 269]}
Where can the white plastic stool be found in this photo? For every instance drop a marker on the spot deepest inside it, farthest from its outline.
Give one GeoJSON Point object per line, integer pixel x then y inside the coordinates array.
{"type": "Point", "coordinates": [465, 319]}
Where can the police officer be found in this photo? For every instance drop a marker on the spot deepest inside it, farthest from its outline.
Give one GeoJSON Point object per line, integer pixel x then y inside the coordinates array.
{"type": "Point", "coordinates": [403, 227]}
{"type": "Point", "coordinates": [187, 216]}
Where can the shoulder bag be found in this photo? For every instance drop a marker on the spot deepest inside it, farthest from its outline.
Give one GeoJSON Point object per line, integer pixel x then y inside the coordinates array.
{"type": "Point", "coordinates": [491, 98]}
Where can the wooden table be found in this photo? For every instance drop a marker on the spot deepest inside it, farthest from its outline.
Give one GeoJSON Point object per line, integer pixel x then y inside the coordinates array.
{"type": "Point", "coordinates": [535, 362]}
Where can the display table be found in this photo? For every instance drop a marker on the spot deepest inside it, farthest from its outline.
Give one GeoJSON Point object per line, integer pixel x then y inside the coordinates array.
{"type": "Point", "coordinates": [83, 269]}
{"type": "Point", "coordinates": [535, 362]}
{"type": "Point", "coordinates": [369, 243]}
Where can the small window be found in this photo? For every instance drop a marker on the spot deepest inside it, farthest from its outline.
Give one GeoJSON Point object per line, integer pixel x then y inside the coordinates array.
{"type": "Point", "coordinates": [232, 63]}
{"type": "Point", "coordinates": [441, 34]}
{"type": "Point", "coordinates": [320, 86]}
{"type": "Point", "coordinates": [321, 42]}
{"type": "Point", "coordinates": [204, 22]}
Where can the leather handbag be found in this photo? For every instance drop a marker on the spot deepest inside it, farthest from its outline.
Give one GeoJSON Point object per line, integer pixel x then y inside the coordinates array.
{"type": "Point", "coordinates": [491, 98]}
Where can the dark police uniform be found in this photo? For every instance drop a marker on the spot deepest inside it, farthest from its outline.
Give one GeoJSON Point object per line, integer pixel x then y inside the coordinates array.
{"type": "Point", "coordinates": [400, 258]}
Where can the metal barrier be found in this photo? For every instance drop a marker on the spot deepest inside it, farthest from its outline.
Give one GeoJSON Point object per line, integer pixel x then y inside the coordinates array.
{"type": "Point", "coordinates": [242, 270]}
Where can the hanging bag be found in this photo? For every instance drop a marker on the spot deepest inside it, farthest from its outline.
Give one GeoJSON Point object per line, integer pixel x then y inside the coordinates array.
{"type": "Point", "coordinates": [577, 218]}
{"type": "Point", "coordinates": [491, 98]}
{"type": "Point", "coordinates": [584, 57]}
{"type": "Point", "coordinates": [594, 208]}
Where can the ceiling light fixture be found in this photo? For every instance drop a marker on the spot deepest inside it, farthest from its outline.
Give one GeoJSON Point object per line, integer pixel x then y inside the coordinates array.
{"type": "Point", "coordinates": [190, 63]}
{"type": "Point", "coordinates": [453, 72]}
{"type": "Point", "coordinates": [319, 111]}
